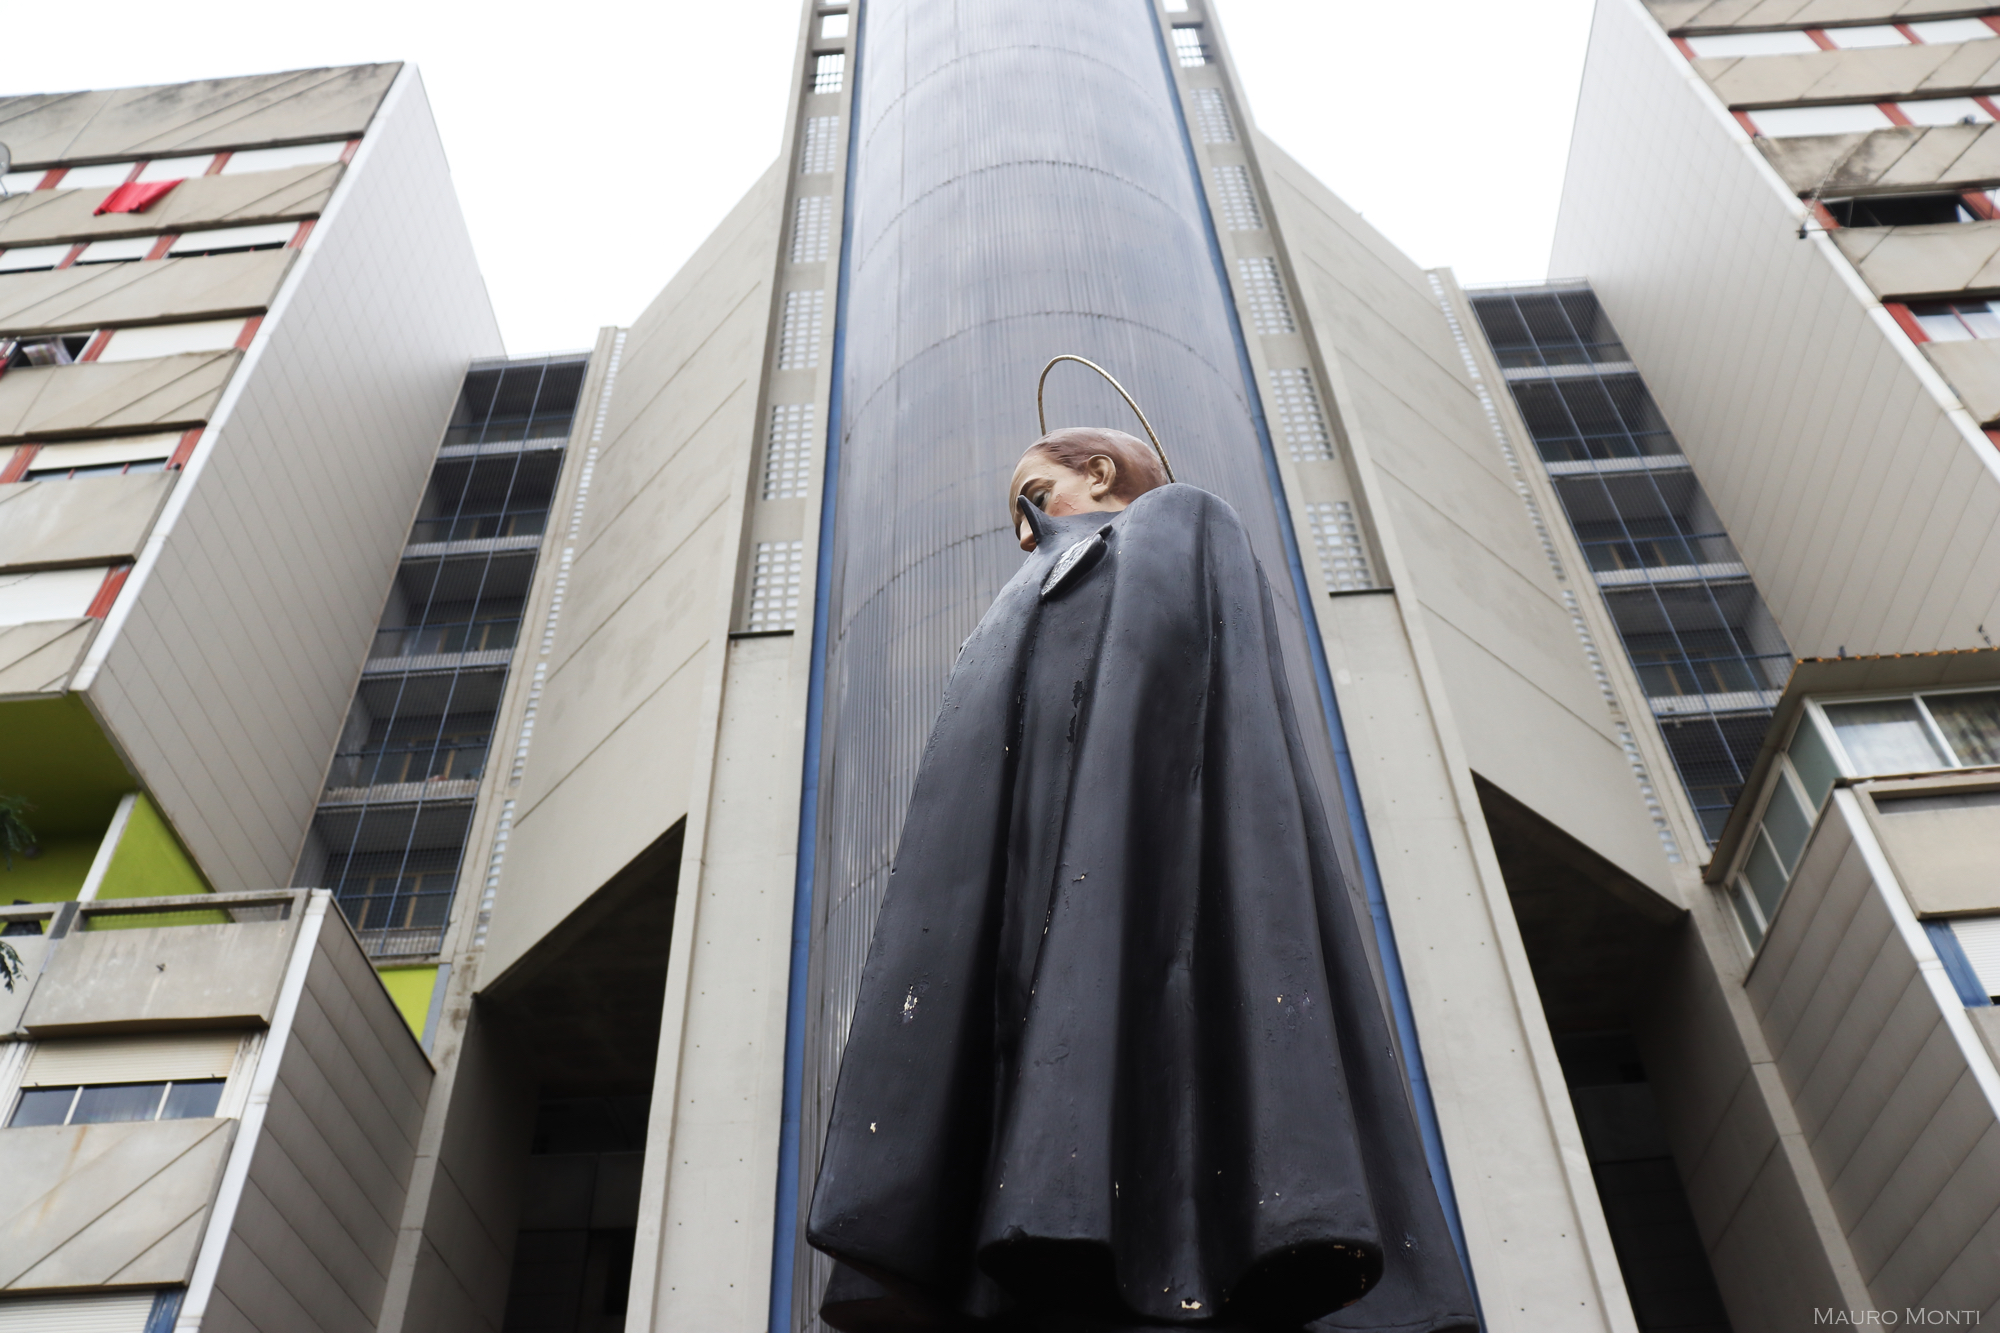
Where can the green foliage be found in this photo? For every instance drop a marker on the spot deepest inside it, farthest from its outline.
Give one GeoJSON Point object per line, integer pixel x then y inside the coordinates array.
{"type": "Point", "coordinates": [15, 835]}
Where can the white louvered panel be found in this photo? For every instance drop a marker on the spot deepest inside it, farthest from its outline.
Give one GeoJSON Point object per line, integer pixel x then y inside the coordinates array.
{"type": "Point", "coordinates": [132, 1059]}
{"type": "Point", "coordinates": [96, 453]}
{"type": "Point", "coordinates": [1979, 937]}
{"type": "Point", "coordinates": [124, 1313]}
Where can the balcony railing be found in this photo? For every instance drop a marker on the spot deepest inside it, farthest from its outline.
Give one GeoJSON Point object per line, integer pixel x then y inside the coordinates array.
{"type": "Point", "coordinates": [459, 636]}
{"type": "Point", "coordinates": [479, 527]}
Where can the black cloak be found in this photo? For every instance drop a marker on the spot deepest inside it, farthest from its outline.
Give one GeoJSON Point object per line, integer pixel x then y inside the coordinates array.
{"type": "Point", "coordinates": [1119, 1060]}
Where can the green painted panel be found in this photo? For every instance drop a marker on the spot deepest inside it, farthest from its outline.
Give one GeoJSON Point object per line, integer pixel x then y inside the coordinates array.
{"type": "Point", "coordinates": [410, 988]}
{"type": "Point", "coordinates": [53, 877]}
{"type": "Point", "coordinates": [150, 863]}
{"type": "Point", "coordinates": [53, 753]}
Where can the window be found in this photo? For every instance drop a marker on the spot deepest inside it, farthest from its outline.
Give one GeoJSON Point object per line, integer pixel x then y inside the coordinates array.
{"type": "Point", "coordinates": [1724, 44]}
{"type": "Point", "coordinates": [123, 250]}
{"type": "Point", "coordinates": [102, 458]}
{"type": "Point", "coordinates": [818, 145]}
{"type": "Point", "coordinates": [833, 27]}
{"type": "Point", "coordinates": [1264, 294]}
{"type": "Point", "coordinates": [799, 332]}
{"type": "Point", "coordinates": [103, 176]}
{"type": "Point", "coordinates": [111, 1103]}
{"type": "Point", "coordinates": [1236, 198]}
{"type": "Point", "coordinates": [1211, 116]}
{"type": "Point", "coordinates": [176, 168]}
{"type": "Point", "coordinates": [1871, 34]}
{"type": "Point", "coordinates": [1937, 31]}
{"type": "Point", "coordinates": [21, 182]}
{"type": "Point", "coordinates": [1189, 47]}
{"type": "Point", "coordinates": [1791, 121]}
{"type": "Point", "coordinates": [1296, 406]}
{"type": "Point", "coordinates": [829, 71]}
{"type": "Point", "coordinates": [208, 335]}
{"type": "Point", "coordinates": [1919, 734]}
{"type": "Point", "coordinates": [1902, 210]}
{"type": "Point", "coordinates": [812, 222]}
{"type": "Point", "coordinates": [60, 350]}
{"type": "Point", "coordinates": [1945, 111]}
{"type": "Point", "coordinates": [1979, 940]}
{"type": "Point", "coordinates": [274, 159]}
{"type": "Point", "coordinates": [775, 585]}
{"type": "Point", "coordinates": [1956, 321]}
{"type": "Point", "coordinates": [29, 258]}
{"type": "Point", "coordinates": [230, 240]}
{"type": "Point", "coordinates": [1342, 558]}
{"type": "Point", "coordinates": [788, 451]}
{"type": "Point", "coordinates": [49, 594]}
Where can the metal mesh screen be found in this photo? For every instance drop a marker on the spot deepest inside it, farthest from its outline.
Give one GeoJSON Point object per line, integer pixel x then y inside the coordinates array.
{"type": "Point", "coordinates": [1706, 650]}
{"type": "Point", "coordinates": [392, 822]}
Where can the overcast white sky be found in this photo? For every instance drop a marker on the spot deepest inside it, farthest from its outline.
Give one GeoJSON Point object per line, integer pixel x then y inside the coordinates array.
{"type": "Point", "coordinates": [594, 143]}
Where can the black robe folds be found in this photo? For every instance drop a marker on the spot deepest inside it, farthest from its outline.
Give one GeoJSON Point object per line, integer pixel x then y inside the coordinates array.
{"type": "Point", "coordinates": [1118, 1059]}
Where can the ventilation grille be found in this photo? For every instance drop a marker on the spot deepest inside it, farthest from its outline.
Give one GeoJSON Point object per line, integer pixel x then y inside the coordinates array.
{"type": "Point", "coordinates": [1264, 293]}
{"type": "Point", "coordinates": [811, 223]}
{"type": "Point", "coordinates": [774, 585]}
{"type": "Point", "coordinates": [798, 336]}
{"type": "Point", "coordinates": [1342, 558]}
{"type": "Point", "coordinates": [822, 141]}
{"type": "Point", "coordinates": [788, 451]}
{"type": "Point", "coordinates": [828, 72]}
{"type": "Point", "coordinates": [1297, 407]}
{"type": "Point", "coordinates": [1238, 199]}
{"type": "Point", "coordinates": [1211, 116]}
{"type": "Point", "coordinates": [1189, 47]}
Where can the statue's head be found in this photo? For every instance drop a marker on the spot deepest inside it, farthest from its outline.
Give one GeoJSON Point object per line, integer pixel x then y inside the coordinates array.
{"type": "Point", "coordinates": [1081, 469]}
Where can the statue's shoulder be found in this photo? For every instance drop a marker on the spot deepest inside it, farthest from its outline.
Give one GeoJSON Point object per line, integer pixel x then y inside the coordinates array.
{"type": "Point", "coordinates": [1182, 503]}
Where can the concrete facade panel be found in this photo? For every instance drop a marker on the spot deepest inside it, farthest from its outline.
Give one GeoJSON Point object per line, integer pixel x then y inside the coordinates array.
{"type": "Point", "coordinates": [1924, 261]}
{"type": "Point", "coordinates": [41, 217]}
{"type": "Point", "coordinates": [166, 976]}
{"type": "Point", "coordinates": [100, 295]}
{"type": "Point", "coordinates": [167, 119]}
{"type": "Point", "coordinates": [283, 536]}
{"type": "Point", "coordinates": [1473, 554]}
{"type": "Point", "coordinates": [1973, 371]}
{"type": "Point", "coordinates": [1814, 481]}
{"type": "Point", "coordinates": [87, 521]}
{"type": "Point", "coordinates": [164, 391]}
{"type": "Point", "coordinates": [106, 1204]}
{"type": "Point", "coordinates": [638, 655]}
{"type": "Point", "coordinates": [38, 658]}
{"type": "Point", "coordinates": [313, 1238]}
{"type": "Point", "coordinates": [1869, 74]}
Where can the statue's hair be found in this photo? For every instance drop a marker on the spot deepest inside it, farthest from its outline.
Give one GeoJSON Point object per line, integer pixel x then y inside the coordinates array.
{"type": "Point", "coordinates": [1072, 447]}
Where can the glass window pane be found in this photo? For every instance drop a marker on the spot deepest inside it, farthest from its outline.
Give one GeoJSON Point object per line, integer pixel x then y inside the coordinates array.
{"type": "Point", "coordinates": [1793, 42]}
{"type": "Point", "coordinates": [1979, 317]}
{"type": "Point", "coordinates": [1787, 823]}
{"type": "Point", "coordinates": [91, 178]}
{"type": "Point", "coordinates": [1746, 912]}
{"type": "Point", "coordinates": [1941, 324]}
{"type": "Point", "coordinates": [1766, 876]}
{"type": "Point", "coordinates": [1813, 761]}
{"type": "Point", "coordinates": [1873, 34]}
{"type": "Point", "coordinates": [42, 1106]}
{"type": "Point", "coordinates": [1885, 737]}
{"type": "Point", "coordinates": [1970, 723]}
{"type": "Point", "coordinates": [1943, 111]}
{"type": "Point", "coordinates": [1938, 31]}
{"type": "Point", "coordinates": [114, 1102]}
{"type": "Point", "coordinates": [194, 1100]}
{"type": "Point", "coordinates": [1852, 118]}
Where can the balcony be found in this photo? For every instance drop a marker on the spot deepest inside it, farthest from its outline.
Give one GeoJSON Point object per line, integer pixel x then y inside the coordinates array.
{"type": "Point", "coordinates": [220, 995]}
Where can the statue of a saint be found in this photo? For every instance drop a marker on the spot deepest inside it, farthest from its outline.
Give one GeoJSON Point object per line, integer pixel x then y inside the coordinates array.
{"type": "Point", "coordinates": [1119, 1060]}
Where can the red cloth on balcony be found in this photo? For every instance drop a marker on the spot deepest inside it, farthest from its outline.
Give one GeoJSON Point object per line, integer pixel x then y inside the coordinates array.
{"type": "Point", "coordinates": [133, 197]}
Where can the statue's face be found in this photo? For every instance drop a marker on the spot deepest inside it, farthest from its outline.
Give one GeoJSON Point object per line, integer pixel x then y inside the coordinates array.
{"type": "Point", "coordinates": [1058, 490]}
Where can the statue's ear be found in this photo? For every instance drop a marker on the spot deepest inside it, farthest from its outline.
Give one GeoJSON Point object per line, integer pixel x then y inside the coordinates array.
{"type": "Point", "coordinates": [1036, 519]}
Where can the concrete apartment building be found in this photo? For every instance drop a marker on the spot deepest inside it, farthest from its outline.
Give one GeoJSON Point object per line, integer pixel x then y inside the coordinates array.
{"type": "Point", "coordinates": [1637, 624]}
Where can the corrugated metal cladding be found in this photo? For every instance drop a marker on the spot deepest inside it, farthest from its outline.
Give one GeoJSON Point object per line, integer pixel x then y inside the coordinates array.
{"type": "Point", "coordinates": [1021, 188]}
